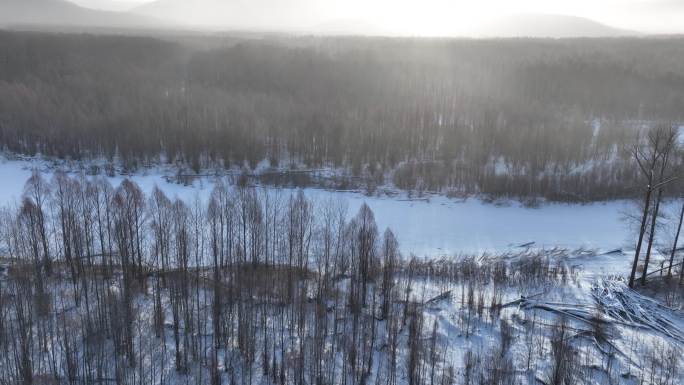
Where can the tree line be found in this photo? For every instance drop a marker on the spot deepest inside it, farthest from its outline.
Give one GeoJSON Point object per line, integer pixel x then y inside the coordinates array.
{"type": "Point", "coordinates": [103, 284]}
{"type": "Point", "coordinates": [516, 117]}
{"type": "Point", "coordinates": [109, 284]}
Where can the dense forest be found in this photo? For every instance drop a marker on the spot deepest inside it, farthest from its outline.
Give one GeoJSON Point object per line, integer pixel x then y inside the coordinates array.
{"type": "Point", "coordinates": [511, 117]}
{"type": "Point", "coordinates": [103, 284]}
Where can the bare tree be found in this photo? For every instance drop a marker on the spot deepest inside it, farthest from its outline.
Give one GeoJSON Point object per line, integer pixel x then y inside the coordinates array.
{"type": "Point", "coordinates": [37, 191]}
{"type": "Point", "coordinates": [652, 159]}
{"type": "Point", "coordinates": [675, 242]}
{"type": "Point", "coordinates": [563, 355]}
{"type": "Point", "coordinates": [391, 256]}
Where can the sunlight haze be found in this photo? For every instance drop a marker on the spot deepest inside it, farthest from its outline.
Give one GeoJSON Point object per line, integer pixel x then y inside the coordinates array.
{"type": "Point", "coordinates": [409, 17]}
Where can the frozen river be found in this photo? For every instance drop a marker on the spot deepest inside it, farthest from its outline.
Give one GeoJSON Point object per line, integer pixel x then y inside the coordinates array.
{"type": "Point", "coordinates": [438, 226]}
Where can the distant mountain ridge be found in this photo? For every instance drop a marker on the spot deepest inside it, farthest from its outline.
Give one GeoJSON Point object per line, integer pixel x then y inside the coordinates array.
{"type": "Point", "coordinates": [309, 16]}
{"type": "Point", "coordinates": [349, 27]}
{"type": "Point", "coordinates": [548, 26]}
{"type": "Point", "coordinates": [275, 15]}
{"type": "Point", "coordinates": [109, 5]}
{"type": "Point", "coordinates": [64, 13]}
{"type": "Point", "coordinates": [291, 16]}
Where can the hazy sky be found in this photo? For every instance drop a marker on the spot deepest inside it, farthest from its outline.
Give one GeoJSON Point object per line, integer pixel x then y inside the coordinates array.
{"type": "Point", "coordinates": [110, 5]}
{"type": "Point", "coordinates": [439, 17]}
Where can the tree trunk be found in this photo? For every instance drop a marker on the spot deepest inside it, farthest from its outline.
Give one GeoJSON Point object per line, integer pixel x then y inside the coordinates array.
{"type": "Point", "coordinates": [642, 230]}
{"type": "Point", "coordinates": [674, 245]}
{"type": "Point", "coordinates": [651, 236]}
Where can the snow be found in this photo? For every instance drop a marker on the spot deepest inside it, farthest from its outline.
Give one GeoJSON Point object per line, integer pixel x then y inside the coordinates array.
{"type": "Point", "coordinates": [579, 236]}
{"type": "Point", "coordinates": [434, 226]}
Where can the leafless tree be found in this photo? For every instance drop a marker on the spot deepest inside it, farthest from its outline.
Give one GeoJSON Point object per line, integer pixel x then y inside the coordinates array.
{"type": "Point", "coordinates": [652, 159]}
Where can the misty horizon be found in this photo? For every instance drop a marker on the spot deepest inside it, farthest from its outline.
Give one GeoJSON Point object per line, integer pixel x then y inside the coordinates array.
{"type": "Point", "coordinates": [434, 18]}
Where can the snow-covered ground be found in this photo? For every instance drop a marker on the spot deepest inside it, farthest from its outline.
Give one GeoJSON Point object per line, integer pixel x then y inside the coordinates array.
{"type": "Point", "coordinates": [578, 237]}
{"type": "Point", "coordinates": [429, 227]}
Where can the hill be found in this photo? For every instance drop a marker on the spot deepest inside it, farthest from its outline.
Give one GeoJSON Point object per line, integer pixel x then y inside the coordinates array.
{"type": "Point", "coordinates": [236, 14]}
{"type": "Point", "coordinates": [548, 26]}
{"type": "Point", "coordinates": [63, 13]}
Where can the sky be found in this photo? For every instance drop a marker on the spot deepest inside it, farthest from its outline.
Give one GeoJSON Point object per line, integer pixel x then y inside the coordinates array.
{"type": "Point", "coordinates": [110, 5]}
{"type": "Point", "coordinates": [439, 17]}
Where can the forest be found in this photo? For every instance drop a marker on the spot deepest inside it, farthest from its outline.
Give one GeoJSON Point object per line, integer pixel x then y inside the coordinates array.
{"type": "Point", "coordinates": [512, 118]}
{"type": "Point", "coordinates": [107, 284]}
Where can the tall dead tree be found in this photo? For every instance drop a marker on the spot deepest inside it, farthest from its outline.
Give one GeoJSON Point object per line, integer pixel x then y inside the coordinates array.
{"type": "Point", "coordinates": [391, 256]}
{"type": "Point", "coordinates": [676, 240]}
{"type": "Point", "coordinates": [366, 235]}
{"type": "Point", "coordinates": [37, 190]}
{"type": "Point", "coordinates": [651, 159]}
{"type": "Point", "coordinates": [128, 205]}
{"type": "Point", "coordinates": [667, 148]}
